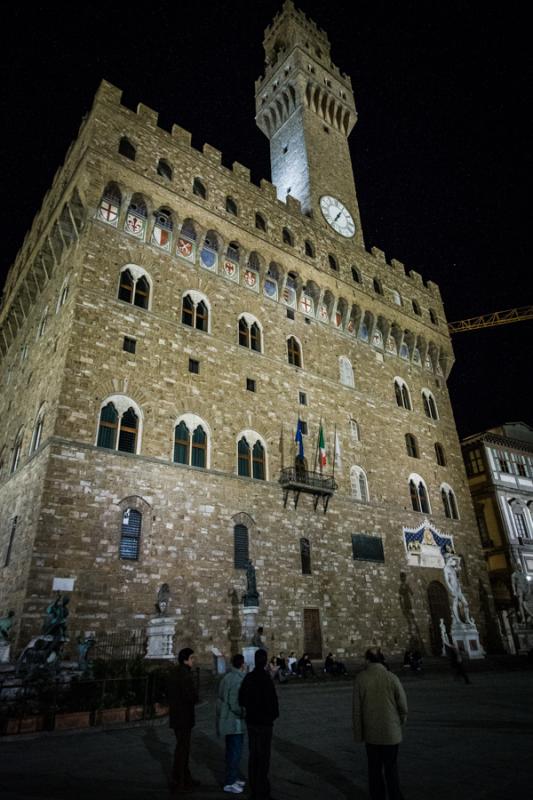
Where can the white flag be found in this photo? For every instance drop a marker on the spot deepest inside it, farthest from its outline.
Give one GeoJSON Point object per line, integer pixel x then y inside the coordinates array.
{"type": "Point", "coordinates": [337, 451]}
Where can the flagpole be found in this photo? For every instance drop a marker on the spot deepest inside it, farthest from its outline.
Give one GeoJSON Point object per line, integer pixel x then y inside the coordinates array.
{"type": "Point", "coordinates": [334, 450]}
{"type": "Point", "coordinates": [316, 451]}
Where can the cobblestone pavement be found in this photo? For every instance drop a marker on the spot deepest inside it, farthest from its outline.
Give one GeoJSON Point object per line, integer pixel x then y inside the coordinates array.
{"type": "Point", "coordinates": [461, 743]}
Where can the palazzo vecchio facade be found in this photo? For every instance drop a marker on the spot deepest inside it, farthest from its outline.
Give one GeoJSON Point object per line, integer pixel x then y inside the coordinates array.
{"type": "Point", "coordinates": [163, 328]}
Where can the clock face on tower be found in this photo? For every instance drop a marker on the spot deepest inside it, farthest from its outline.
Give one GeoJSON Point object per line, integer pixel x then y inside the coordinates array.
{"type": "Point", "coordinates": [337, 215]}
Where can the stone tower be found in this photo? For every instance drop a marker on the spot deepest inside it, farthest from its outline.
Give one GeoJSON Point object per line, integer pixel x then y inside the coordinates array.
{"type": "Point", "coordinates": [163, 329]}
{"type": "Point", "coordinates": [305, 106]}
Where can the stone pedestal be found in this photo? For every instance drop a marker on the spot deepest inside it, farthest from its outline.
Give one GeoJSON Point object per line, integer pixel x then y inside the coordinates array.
{"type": "Point", "coordinates": [5, 650]}
{"type": "Point", "coordinates": [249, 628]}
{"type": "Point", "coordinates": [466, 638]}
{"type": "Point", "coordinates": [524, 637]}
{"type": "Point", "coordinates": [160, 632]}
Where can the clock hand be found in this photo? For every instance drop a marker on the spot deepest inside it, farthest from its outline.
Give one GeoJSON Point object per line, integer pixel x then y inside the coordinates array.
{"type": "Point", "coordinates": [338, 215]}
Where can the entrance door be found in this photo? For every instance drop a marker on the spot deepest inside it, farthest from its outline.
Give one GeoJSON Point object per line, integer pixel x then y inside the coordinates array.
{"type": "Point", "coordinates": [439, 608]}
{"type": "Point", "coordinates": [312, 634]}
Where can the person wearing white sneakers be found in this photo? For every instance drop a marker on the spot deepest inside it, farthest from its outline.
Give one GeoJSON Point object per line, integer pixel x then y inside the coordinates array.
{"type": "Point", "coordinates": [230, 722]}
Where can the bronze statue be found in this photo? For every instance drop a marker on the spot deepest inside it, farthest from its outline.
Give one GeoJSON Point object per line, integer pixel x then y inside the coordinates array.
{"type": "Point", "coordinates": [6, 623]}
{"type": "Point", "coordinates": [55, 624]}
{"type": "Point", "coordinates": [251, 596]}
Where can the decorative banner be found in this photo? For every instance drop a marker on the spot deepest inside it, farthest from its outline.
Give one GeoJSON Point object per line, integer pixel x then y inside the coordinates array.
{"type": "Point", "coordinates": [350, 326]}
{"type": "Point", "coordinates": [416, 357]}
{"type": "Point", "coordinates": [377, 339]}
{"type": "Point", "coordinates": [251, 279]}
{"type": "Point", "coordinates": [363, 333]}
{"type": "Point", "coordinates": [306, 304]}
{"type": "Point", "coordinates": [404, 352]}
{"type": "Point", "coordinates": [270, 289]}
{"type": "Point", "coordinates": [185, 248]}
{"type": "Point", "coordinates": [135, 225]}
{"type": "Point", "coordinates": [161, 237]}
{"type": "Point", "coordinates": [209, 259]}
{"type": "Point", "coordinates": [289, 296]}
{"type": "Point", "coordinates": [108, 212]}
{"type": "Point", "coordinates": [338, 319]}
{"type": "Point", "coordinates": [323, 313]}
{"type": "Point", "coordinates": [429, 365]}
{"type": "Point", "coordinates": [391, 346]}
{"type": "Point", "coordinates": [231, 270]}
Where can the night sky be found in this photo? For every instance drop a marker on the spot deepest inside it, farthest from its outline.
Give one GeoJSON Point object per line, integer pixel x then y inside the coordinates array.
{"type": "Point", "coordinates": [441, 151]}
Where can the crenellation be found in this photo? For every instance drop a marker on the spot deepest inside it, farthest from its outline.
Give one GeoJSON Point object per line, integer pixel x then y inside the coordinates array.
{"type": "Point", "coordinates": [147, 116]}
{"type": "Point", "coordinates": [213, 155]}
{"type": "Point", "coordinates": [241, 173]}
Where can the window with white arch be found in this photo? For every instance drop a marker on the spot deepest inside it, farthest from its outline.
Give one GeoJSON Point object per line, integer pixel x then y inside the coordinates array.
{"type": "Point", "coordinates": [120, 424]}
{"type": "Point", "coordinates": [195, 309]}
{"type": "Point", "coordinates": [419, 494]}
{"type": "Point", "coordinates": [250, 333]}
{"type": "Point", "coordinates": [37, 430]}
{"type": "Point", "coordinates": [63, 294]}
{"type": "Point", "coordinates": [251, 456]}
{"type": "Point", "coordinates": [430, 406]}
{"type": "Point", "coordinates": [191, 441]}
{"type": "Point", "coordinates": [135, 286]}
{"type": "Point", "coordinates": [402, 394]}
{"type": "Point", "coordinates": [346, 372]}
{"type": "Point", "coordinates": [359, 484]}
{"type": "Point", "coordinates": [449, 502]}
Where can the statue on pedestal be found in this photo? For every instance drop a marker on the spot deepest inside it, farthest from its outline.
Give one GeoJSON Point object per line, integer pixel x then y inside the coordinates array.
{"type": "Point", "coordinates": [452, 566]}
{"type": "Point", "coordinates": [251, 597]}
{"type": "Point", "coordinates": [163, 600]}
{"type": "Point", "coordinates": [55, 623]}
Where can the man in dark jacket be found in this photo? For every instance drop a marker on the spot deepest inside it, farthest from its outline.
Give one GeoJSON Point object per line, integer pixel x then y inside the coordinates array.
{"type": "Point", "coordinates": [258, 696]}
{"type": "Point", "coordinates": [182, 697]}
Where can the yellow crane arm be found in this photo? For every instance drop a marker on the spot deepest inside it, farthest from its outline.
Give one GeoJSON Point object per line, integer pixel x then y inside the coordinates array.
{"type": "Point", "coordinates": [491, 320]}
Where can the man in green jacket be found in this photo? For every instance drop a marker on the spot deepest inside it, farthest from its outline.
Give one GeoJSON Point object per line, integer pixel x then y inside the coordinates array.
{"type": "Point", "coordinates": [230, 722]}
{"type": "Point", "coordinates": [379, 713]}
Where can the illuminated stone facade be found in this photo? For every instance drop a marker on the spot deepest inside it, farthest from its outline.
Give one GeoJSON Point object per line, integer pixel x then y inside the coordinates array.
{"type": "Point", "coordinates": [164, 325]}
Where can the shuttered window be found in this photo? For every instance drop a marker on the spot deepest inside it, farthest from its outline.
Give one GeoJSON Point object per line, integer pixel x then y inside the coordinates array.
{"type": "Point", "coordinates": [240, 546]}
{"type": "Point", "coordinates": [130, 534]}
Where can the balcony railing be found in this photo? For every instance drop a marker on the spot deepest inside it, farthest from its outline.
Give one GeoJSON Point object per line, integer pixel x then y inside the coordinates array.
{"type": "Point", "coordinates": [299, 479]}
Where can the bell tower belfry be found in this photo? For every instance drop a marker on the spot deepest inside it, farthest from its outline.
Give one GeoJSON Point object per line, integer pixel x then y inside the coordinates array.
{"type": "Point", "coordinates": [305, 106]}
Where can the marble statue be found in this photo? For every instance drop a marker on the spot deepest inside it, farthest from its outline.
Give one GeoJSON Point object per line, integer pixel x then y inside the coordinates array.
{"type": "Point", "coordinates": [452, 566]}
{"type": "Point", "coordinates": [163, 600]}
{"type": "Point", "coordinates": [522, 592]}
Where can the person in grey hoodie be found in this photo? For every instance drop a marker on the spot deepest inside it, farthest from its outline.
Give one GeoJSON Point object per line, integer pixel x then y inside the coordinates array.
{"type": "Point", "coordinates": [379, 713]}
{"type": "Point", "coordinates": [230, 722]}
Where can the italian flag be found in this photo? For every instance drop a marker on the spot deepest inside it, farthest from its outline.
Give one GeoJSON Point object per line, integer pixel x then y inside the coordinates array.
{"type": "Point", "coordinates": [322, 460]}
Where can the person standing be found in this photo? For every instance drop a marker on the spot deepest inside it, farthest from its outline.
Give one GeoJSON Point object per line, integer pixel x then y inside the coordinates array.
{"type": "Point", "coordinates": [379, 713]}
{"type": "Point", "coordinates": [182, 697]}
{"type": "Point", "coordinates": [258, 697]}
{"type": "Point", "coordinates": [230, 722]}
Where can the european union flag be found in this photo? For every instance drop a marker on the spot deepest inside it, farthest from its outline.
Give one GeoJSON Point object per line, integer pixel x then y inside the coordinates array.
{"type": "Point", "coordinates": [299, 439]}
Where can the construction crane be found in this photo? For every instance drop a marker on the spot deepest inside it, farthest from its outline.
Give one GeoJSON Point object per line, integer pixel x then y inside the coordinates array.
{"type": "Point", "coordinates": [491, 320]}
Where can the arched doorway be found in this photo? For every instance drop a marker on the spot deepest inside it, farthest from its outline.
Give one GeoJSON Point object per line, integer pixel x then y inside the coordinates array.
{"type": "Point", "coordinates": [439, 608]}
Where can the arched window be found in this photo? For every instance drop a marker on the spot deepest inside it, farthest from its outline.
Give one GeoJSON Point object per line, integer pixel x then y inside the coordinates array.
{"type": "Point", "coordinates": [119, 425]}
{"type": "Point", "coordinates": [164, 169]}
{"type": "Point", "coordinates": [378, 288]}
{"type": "Point", "coordinates": [63, 295]}
{"type": "Point", "coordinates": [42, 324]}
{"type": "Point", "coordinates": [134, 286]}
{"type": "Point", "coordinates": [448, 501]}
{"type": "Point", "coordinates": [109, 207]}
{"type": "Point", "coordinates": [294, 352]}
{"type": "Point", "coordinates": [191, 442]}
{"type": "Point", "coordinates": [199, 189]}
{"type": "Point", "coordinates": [520, 517]}
{"type": "Point", "coordinates": [249, 333]}
{"type": "Point", "coordinates": [411, 445]}
{"type": "Point", "coordinates": [240, 546]}
{"type": "Point", "coordinates": [355, 431]}
{"type": "Point", "coordinates": [333, 263]}
{"type": "Point", "coordinates": [195, 311]}
{"type": "Point", "coordinates": [440, 454]}
{"type": "Point", "coordinates": [419, 494]}
{"type": "Point", "coordinates": [260, 222]}
{"type": "Point", "coordinates": [430, 407]}
{"type": "Point", "coordinates": [305, 556]}
{"type": "Point", "coordinates": [346, 372]}
{"type": "Point", "coordinates": [125, 148]}
{"type": "Point", "coordinates": [356, 275]}
{"type": "Point", "coordinates": [136, 217]}
{"type": "Point", "coordinates": [17, 451]}
{"type": "Point", "coordinates": [162, 232]}
{"type": "Point", "coordinates": [396, 297]}
{"type": "Point", "coordinates": [309, 249]}
{"type": "Point", "coordinates": [130, 534]}
{"type": "Point", "coordinates": [359, 484]}
{"type": "Point", "coordinates": [37, 432]}
{"type": "Point", "coordinates": [231, 206]}
{"type": "Point", "coordinates": [416, 308]}
{"type": "Point", "coordinates": [401, 391]}
{"type": "Point", "coordinates": [433, 317]}
{"type": "Point", "coordinates": [251, 456]}
{"type": "Point", "coordinates": [287, 237]}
